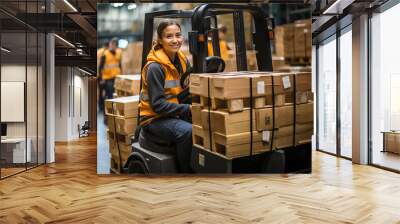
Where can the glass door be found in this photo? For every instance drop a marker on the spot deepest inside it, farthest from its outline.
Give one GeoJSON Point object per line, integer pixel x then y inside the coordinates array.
{"type": "Point", "coordinates": [326, 95]}
{"type": "Point", "coordinates": [346, 92]}
{"type": "Point", "coordinates": [385, 89]}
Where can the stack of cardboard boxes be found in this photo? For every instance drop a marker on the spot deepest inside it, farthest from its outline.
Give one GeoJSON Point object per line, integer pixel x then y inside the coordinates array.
{"type": "Point", "coordinates": [391, 142]}
{"type": "Point", "coordinates": [293, 40]}
{"type": "Point", "coordinates": [223, 106]}
{"type": "Point", "coordinates": [127, 85]}
{"type": "Point", "coordinates": [131, 60]}
{"type": "Point", "coordinates": [121, 116]}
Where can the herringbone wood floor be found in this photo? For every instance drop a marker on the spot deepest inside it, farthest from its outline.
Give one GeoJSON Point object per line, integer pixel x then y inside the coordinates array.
{"type": "Point", "coordinates": [70, 191]}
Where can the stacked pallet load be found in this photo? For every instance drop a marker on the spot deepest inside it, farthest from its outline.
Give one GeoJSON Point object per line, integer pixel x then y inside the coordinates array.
{"type": "Point", "coordinates": [302, 38]}
{"type": "Point", "coordinates": [224, 103]}
{"type": "Point", "coordinates": [293, 42]}
{"type": "Point", "coordinates": [131, 60]}
{"type": "Point", "coordinates": [127, 85]}
{"type": "Point", "coordinates": [121, 116]}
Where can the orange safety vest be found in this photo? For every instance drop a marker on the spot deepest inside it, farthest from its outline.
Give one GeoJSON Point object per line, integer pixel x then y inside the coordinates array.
{"type": "Point", "coordinates": [223, 49]}
{"type": "Point", "coordinates": [100, 53]}
{"type": "Point", "coordinates": [172, 85]}
{"type": "Point", "coordinates": [112, 65]}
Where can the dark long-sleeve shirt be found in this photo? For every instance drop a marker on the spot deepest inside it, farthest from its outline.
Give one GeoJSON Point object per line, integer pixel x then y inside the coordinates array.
{"type": "Point", "coordinates": [155, 85]}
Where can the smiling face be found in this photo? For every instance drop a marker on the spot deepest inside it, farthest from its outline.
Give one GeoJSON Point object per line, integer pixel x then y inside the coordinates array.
{"type": "Point", "coordinates": [171, 39]}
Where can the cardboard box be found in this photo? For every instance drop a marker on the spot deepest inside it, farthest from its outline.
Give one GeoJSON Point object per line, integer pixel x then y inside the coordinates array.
{"type": "Point", "coordinates": [131, 60]}
{"type": "Point", "coordinates": [392, 142]}
{"type": "Point", "coordinates": [227, 123]}
{"type": "Point", "coordinates": [238, 145]}
{"type": "Point", "coordinates": [110, 122]}
{"type": "Point", "coordinates": [283, 116]}
{"type": "Point", "coordinates": [196, 114]}
{"type": "Point", "coordinates": [285, 82]}
{"type": "Point", "coordinates": [118, 149]}
{"type": "Point", "coordinates": [231, 146]}
{"type": "Point", "coordinates": [301, 97]}
{"type": "Point", "coordinates": [199, 82]}
{"type": "Point", "coordinates": [127, 139]}
{"type": "Point", "coordinates": [305, 113]}
{"type": "Point", "coordinates": [128, 83]}
{"type": "Point", "coordinates": [236, 85]}
{"type": "Point", "coordinates": [126, 126]}
{"type": "Point", "coordinates": [121, 125]}
{"type": "Point", "coordinates": [303, 81]}
{"type": "Point", "coordinates": [283, 137]}
{"type": "Point", "coordinates": [294, 40]}
{"type": "Point", "coordinates": [302, 38]}
{"type": "Point", "coordinates": [284, 40]}
{"type": "Point", "coordinates": [200, 136]}
{"type": "Point", "coordinates": [264, 118]}
{"type": "Point", "coordinates": [124, 106]}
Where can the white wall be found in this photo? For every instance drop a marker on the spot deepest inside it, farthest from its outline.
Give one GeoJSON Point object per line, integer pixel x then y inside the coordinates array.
{"type": "Point", "coordinates": [16, 73]}
{"type": "Point", "coordinates": [71, 102]}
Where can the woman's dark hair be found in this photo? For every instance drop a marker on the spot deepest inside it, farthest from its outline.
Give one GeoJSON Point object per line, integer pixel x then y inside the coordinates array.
{"type": "Point", "coordinates": [161, 27]}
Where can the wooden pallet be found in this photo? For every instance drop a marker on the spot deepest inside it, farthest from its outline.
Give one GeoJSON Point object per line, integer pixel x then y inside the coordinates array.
{"type": "Point", "coordinates": [240, 104]}
{"type": "Point", "coordinates": [298, 60]}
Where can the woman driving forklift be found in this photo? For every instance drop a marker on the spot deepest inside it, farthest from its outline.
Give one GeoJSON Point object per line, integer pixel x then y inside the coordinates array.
{"type": "Point", "coordinates": [161, 114]}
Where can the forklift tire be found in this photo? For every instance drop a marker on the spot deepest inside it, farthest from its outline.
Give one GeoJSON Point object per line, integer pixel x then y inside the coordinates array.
{"type": "Point", "coordinates": [136, 166]}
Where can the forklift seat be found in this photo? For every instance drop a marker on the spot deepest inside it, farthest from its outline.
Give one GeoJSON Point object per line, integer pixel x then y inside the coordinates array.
{"type": "Point", "coordinates": [151, 155]}
{"type": "Point", "coordinates": [153, 143]}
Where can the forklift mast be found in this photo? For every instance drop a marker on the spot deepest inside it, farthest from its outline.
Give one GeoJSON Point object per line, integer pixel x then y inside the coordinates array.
{"type": "Point", "coordinates": [204, 20]}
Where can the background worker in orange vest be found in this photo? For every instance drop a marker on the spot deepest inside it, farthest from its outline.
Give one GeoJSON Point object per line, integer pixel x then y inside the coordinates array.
{"type": "Point", "coordinates": [100, 53]}
{"type": "Point", "coordinates": [109, 68]}
{"type": "Point", "coordinates": [223, 45]}
{"type": "Point", "coordinates": [161, 114]}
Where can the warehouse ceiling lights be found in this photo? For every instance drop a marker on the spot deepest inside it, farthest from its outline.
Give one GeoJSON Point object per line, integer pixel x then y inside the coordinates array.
{"type": "Point", "coordinates": [122, 43]}
{"type": "Point", "coordinates": [70, 5]}
{"type": "Point", "coordinates": [65, 41]}
{"type": "Point", "coordinates": [116, 5]}
{"type": "Point", "coordinates": [5, 50]}
{"type": "Point", "coordinates": [132, 6]}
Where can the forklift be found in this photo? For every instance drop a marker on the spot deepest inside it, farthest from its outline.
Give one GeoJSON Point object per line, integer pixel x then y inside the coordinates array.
{"type": "Point", "coordinates": [153, 156]}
